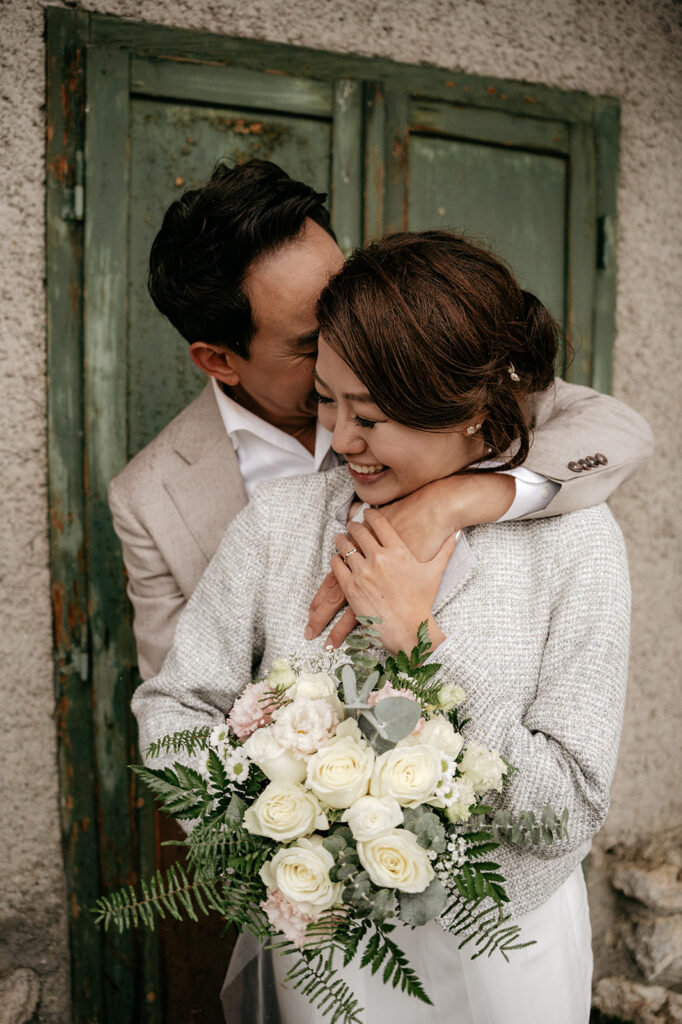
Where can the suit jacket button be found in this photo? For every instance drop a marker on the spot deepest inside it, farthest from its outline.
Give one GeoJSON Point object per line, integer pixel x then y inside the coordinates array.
{"type": "Point", "coordinates": [601, 459]}
{"type": "Point", "coordinates": [592, 460]}
{"type": "Point", "coordinates": [585, 464]}
{"type": "Point", "coordinates": [574, 467]}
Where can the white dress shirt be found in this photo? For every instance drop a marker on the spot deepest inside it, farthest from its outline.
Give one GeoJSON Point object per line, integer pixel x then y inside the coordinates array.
{"type": "Point", "coordinates": [265, 452]}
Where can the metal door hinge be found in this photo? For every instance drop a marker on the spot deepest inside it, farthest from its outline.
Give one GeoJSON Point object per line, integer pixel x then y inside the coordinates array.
{"type": "Point", "coordinates": [74, 198]}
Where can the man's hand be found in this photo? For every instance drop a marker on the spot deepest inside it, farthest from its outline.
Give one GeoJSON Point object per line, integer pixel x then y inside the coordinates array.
{"type": "Point", "coordinates": [423, 520]}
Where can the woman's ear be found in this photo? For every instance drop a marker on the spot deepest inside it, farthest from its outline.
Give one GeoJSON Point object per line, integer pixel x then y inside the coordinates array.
{"type": "Point", "coordinates": [214, 361]}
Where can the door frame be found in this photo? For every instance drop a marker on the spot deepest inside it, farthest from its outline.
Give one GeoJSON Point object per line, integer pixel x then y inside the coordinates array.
{"type": "Point", "coordinates": [107, 826]}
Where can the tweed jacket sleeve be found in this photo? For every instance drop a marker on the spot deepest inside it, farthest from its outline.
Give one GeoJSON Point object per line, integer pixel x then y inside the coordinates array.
{"type": "Point", "coordinates": [218, 639]}
{"type": "Point", "coordinates": [565, 742]}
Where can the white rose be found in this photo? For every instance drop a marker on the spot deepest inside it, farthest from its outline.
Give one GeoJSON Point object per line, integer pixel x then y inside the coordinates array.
{"type": "Point", "coordinates": [319, 686]}
{"type": "Point", "coordinates": [464, 796]}
{"type": "Point", "coordinates": [278, 763]}
{"type": "Point", "coordinates": [437, 732]}
{"type": "Point", "coordinates": [482, 767]}
{"type": "Point", "coordinates": [450, 696]}
{"type": "Point", "coordinates": [281, 675]}
{"type": "Point", "coordinates": [340, 771]}
{"type": "Point", "coordinates": [373, 816]}
{"type": "Point", "coordinates": [396, 861]}
{"type": "Point", "coordinates": [301, 873]}
{"type": "Point", "coordinates": [408, 773]}
{"type": "Point", "coordinates": [284, 812]}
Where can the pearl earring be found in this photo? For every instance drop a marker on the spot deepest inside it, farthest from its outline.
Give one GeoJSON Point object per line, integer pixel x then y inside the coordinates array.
{"type": "Point", "coordinates": [472, 430]}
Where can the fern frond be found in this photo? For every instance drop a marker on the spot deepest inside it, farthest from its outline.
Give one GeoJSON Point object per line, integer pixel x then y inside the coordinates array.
{"type": "Point", "coordinates": [188, 740]}
{"type": "Point", "coordinates": [173, 894]}
{"type": "Point", "coordinates": [382, 950]}
{"type": "Point", "coordinates": [314, 975]}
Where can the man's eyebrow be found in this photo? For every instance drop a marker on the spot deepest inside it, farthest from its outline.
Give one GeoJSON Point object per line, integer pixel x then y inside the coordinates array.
{"type": "Point", "coordinates": [362, 396]}
{"type": "Point", "coordinates": [306, 340]}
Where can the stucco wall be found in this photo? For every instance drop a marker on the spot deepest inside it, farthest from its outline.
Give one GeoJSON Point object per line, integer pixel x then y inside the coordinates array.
{"type": "Point", "coordinates": [629, 49]}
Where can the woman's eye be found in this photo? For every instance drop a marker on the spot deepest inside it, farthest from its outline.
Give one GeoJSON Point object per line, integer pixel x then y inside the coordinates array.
{"type": "Point", "coordinates": [361, 422]}
{"type": "Point", "coordinates": [322, 399]}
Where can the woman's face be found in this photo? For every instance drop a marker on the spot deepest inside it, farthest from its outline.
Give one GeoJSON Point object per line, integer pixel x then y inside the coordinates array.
{"type": "Point", "coordinates": [387, 460]}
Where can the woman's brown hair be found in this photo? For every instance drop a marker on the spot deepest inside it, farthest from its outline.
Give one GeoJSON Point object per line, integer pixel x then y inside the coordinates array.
{"type": "Point", "coordinates": [435, 327]}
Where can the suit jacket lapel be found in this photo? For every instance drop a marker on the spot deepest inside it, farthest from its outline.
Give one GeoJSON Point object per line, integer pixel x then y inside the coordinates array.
{"type": "Point", "coordinates": [208, 490]}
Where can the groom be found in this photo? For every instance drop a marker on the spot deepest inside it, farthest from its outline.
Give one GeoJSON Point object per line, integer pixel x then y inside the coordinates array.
{"type": "Point", "coordinates": [237, 268]}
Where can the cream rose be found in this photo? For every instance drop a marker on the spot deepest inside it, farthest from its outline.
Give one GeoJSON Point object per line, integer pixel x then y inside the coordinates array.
{"type": "Point", "coordinates": [408, 773]}
{"type": "Point", "coordinates": [396, 861]}
{"type": "Point", "coordinates": [373, 816]}
{"type": "Point", "coordinates": [319, 686]}
{"type": "Point", "coordinates": [450, 696]}
{"type": "Point", "coordinates": [482, 767]}
{"type": "Point", "coordinates": [284, 812]}
{"type": "Point", "coordinates": [339, 772]}
{"type": "Point", "coordinates": [438, 732]}
{"type": "Point", "coordinates": [301, 873]}
{"type": "Point", "coordinates": [274, 760]}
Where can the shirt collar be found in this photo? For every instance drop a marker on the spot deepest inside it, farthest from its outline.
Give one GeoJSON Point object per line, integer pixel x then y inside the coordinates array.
{"type": "Point", "coordinates": [240, 421]}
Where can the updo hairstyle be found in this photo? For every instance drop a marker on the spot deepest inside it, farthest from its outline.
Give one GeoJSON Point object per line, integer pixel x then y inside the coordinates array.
{"type": "Point", "coordinates": [432, 324]}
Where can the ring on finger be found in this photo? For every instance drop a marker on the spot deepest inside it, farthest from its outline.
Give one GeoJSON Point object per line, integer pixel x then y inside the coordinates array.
{"type": "Point", "coordinates": [353, 551]}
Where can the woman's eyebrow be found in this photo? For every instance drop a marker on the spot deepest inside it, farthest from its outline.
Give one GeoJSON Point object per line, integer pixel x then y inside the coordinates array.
{"type": "Point", "coordinates": [362, 396]}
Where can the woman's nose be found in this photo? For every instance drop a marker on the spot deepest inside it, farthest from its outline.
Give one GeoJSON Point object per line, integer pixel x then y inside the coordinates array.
{"type": "Point", "coordinates": [347, 438]}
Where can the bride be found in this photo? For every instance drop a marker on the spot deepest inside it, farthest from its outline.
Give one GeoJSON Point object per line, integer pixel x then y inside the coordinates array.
{"type": "Point", "coordinates": [428, 355]}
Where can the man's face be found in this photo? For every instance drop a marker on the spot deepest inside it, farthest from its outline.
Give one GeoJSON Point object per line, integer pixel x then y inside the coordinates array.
{"type": "Point", "coordinates": [276, 381]}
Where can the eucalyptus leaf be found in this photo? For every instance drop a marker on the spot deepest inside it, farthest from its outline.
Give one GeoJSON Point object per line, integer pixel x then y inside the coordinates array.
{"type": "Point", "coordinates": [418, 908]}
{"type": "Point", "coordinates": [398, 716]}
{"type": "Point", "coordinates": [370, 682]}
{"type": "Point", "coordinates": [350, 689]}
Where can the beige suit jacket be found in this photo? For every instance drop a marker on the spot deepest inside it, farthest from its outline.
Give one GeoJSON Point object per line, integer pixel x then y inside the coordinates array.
{"type": "Point", "coordinates": [173, 502]}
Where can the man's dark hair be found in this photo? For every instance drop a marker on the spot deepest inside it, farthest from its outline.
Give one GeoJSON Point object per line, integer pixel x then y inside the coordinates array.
{"type": "Point", "coordinates": [209, 238]}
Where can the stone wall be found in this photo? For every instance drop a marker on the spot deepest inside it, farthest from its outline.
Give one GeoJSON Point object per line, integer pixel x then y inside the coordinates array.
{"type": "Point", "coordinates": [629, 49]}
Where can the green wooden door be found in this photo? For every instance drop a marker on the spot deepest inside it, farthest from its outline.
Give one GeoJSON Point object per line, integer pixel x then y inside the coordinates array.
{"type": "Point", "coordinates": [173, 146]}
{"type": "Point", "coordinates": [147, 111]}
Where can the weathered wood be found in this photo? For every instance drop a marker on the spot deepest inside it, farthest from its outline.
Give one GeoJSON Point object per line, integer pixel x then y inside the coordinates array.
{"type": "Point", "coordinates": [433, 82]}
{"type": "Point", "coordinates": [607, 128]}
{"type": "Point", "coordinates": [347, 164]}
{"type": "Point", "coordinates": [582, 253]}
{"type": "Point", "coordinates": [509, 198]}
{"type": "Point", "coordinates": [494, 127]}
{"type": "Point", "coordinates": [396, 159]}
{"type": "Point", "coordinates": [106, 204]}
{"type": "Point", "coordinates": [253, 90]}
{"type": "Point", "coordinates": [66, 37]}
{"type": "Point", "coordinates": [375, 161]}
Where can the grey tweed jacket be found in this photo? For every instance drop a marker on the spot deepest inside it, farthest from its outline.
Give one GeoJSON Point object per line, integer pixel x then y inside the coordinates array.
{"type": "Point", "coordinates": [537, 635]}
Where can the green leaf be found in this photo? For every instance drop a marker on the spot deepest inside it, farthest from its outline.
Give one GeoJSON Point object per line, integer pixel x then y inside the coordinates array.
{"type": "Point", "coordinates": [421, 907]}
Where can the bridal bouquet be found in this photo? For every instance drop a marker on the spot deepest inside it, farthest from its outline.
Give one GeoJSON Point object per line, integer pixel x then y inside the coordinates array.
{"type": "Point", "coordinates": [338, 800]}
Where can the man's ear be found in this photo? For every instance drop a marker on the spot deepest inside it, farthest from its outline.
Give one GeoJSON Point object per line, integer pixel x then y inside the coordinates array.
{"type": "Point", "coordinates": [216, 362]}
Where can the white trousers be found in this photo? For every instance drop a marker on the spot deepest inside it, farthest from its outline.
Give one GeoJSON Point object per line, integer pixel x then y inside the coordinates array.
{"type": "Point", "coordinates": [550, 981]}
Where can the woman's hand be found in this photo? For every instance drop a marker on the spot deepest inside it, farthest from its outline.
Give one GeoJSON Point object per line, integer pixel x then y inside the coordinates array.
{"type": "Point", "coordinates": [382, 578]}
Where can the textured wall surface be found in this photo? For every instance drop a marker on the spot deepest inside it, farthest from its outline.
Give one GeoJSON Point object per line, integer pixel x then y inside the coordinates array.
{"type": "Point", "coordinates": [629, 49]}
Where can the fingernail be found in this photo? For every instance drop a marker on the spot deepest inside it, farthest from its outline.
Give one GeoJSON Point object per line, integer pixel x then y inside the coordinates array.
{"type": "Point", "coordinates": [458, 535]}
{"type": "Point", "coordinates": [308, 633]}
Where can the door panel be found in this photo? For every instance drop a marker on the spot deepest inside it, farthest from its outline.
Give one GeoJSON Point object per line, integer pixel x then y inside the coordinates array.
{"type": "Point", "coordinates": [510, 199]}
{"type": "Point", "coordinates": [173, 147]}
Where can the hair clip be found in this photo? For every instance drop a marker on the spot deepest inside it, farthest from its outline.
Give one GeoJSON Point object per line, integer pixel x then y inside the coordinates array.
{"type": "Point", "coordinates": [512, 373]}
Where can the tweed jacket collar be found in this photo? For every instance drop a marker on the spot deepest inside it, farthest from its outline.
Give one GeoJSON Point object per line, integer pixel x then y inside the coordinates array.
{"type": "Point", "coordinates": [207, 488]}
{"type": "Point", "coordinates": [339, 493]}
